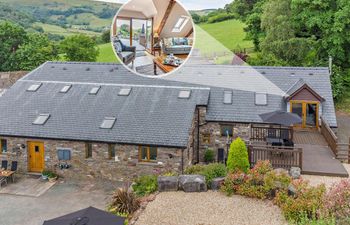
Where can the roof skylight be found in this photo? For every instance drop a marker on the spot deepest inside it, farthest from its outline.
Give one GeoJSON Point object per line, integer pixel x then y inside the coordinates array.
{"type": "Point", "coordinates": [34, 87]}
{"type": "Point", "coordinates": [41, 119]}
{"type": "Point", "coordinates": [227, 97]}
{"type": "Point", "coordinates": [65, 89]}
{"type": "Point", "coordinates": [94, 90]}
{"type": "Point", "coordinates": [260, 99]}
{"type": "Point", "coordinates": [184, 94]}
{"type": "Point", "coordinates": [124, 92]}
{"type": "Point", "coordinates": [180, 24]}
{"type": "Point", "coordinates": [108, 123]}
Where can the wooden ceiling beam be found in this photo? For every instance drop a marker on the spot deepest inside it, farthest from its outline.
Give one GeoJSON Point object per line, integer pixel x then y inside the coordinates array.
{"type": "Point", "coordinates": [189, 33]}
{"type": "Point", "coordinates": [166, 16]}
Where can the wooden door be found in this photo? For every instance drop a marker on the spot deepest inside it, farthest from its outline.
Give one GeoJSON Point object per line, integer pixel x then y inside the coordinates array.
{"type": "Point", "coordinates": [36, 156]}
{"type": "Point", "coordinates": [308, 111]}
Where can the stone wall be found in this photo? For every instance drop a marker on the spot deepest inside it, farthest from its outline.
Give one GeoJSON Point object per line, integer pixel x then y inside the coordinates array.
{"type": "Point", "coordinates": [124, 165]}
{"type": "Point", "coordinates": [7, 79]}
{"type": "Point", "coordinates": [211, 137]}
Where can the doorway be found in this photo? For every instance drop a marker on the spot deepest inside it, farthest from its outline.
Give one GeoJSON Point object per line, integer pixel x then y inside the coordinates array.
{"type": "Point", "coordinates": [308, 111]}
{"type": "Point", "coordinates": [36, 156]}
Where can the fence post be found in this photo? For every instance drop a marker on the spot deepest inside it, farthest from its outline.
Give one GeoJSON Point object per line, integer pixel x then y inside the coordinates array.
{"type": "Point", "coordinates": [301, 158]}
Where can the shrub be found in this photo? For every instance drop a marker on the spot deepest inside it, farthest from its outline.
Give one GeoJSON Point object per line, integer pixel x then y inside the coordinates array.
{"type": "Point", "coordinates": [212, 171]}
{"type": "Point", "coordinates": [233, 181]}
{"type": "Point", "coordinates": [337, 201]}
{"type": "Point", "coordinates": [209, 171]}
{"type": "Point", "coordinates": [145, 185]}
{"type": "Point", "coordinates": [308, 201]}
{"type": "Point", "coordinates": [195, 169]}
{"type": "Point", "coordinates": [238, 156]}
{"type": "Point", "coordinates": [304, 220]}
{"type": "Point", "coordinates": [124, 202]}
{"type": "Point", "coordinates": [209, 155]}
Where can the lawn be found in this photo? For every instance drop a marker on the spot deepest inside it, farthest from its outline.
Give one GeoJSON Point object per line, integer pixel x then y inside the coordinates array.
{"type": "Point", "coordinates": [107, 54]}
{"type": "Point", "coordinates": [230, 33]}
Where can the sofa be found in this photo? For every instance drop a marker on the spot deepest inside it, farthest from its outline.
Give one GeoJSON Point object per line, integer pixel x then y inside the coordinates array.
{"type": "Point", "coordinates": [176, 46]}
{"type": "Point", "coordinates": [126, 53]}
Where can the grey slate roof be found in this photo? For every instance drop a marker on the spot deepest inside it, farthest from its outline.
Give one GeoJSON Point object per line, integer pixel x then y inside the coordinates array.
{"type": "Point", "coordinates": [150, 115]}
{"type": "Point", "coordinates": [243, 108]}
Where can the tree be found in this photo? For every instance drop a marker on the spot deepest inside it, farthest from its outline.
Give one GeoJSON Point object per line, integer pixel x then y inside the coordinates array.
{"type": "Point", "coordinates": [11, 37]}
{"type": "Point", "coordinates": [79, 48]}
{"type": "Point", "coordinates": [106, 36]}
{"type": "Point", "coordinates": [238, 156]}
{"type": "Point", "coordinates": [37, 50]}
{"type": "Point", "coordinates": [196, 18]}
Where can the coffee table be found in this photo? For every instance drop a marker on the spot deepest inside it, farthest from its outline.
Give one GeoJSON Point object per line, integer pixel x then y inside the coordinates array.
{"type": "Point", "coordinates": [158, 62]}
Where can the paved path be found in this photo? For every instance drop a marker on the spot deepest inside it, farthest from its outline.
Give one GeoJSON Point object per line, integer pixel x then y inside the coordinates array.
{"type": "Point", "coordinates": [61, 199]}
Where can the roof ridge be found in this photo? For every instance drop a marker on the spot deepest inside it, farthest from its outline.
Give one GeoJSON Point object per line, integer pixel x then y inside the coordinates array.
{"type": "Point", "coordinates": [120, 85]}
{"type": "Point", "coordinates": [83, 63]}
{"type": "Point", "coordinates": [263, 67]}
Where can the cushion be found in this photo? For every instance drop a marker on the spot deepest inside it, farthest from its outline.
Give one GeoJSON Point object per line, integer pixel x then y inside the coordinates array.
{"type": "Point", "coordinates": [127, 55]}
{"type": "Point", "coordinates": [119, 47]}
{"type": "Point", "coordinates": [168, 42]}
{"type": "Point", "coordinates": [180, 41]}
{"type": "Point", "coordinates": [190, 41]}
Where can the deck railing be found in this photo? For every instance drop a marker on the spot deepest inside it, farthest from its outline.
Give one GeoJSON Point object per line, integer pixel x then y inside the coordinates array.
{"type": "Point", "coordinates": [279, 157]}
{"type": "Point", "coordinates": [340, 150]}
{"type": "Point", "coordinates": [261, 132]}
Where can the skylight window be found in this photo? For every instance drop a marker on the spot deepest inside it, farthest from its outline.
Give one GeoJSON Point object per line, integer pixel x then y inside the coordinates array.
{"type": "Point", "coordinates": [184, 94]}
{"type": "Point", "coordinates": [260, 99]}
{"type": "Point", "coordinates": [34, 87]}
{"type": "Point", "coordinates": [124, 92]}
{"type": "Point", "coordinates": [108, 123]}
{"type": "Point", "coordinates": [94, 90]}
{"type": "Point", "coordinates": [41, 119]}
{"type": "Point", "coordinates": [227, 97]}
{"type": "Point", "coordinates": [180, 24]}
{"type": "Point", "coordinates": [65, 89]}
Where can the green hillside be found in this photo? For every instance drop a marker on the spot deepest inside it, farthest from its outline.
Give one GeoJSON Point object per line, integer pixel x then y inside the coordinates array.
{"type": "Point", "coordinates": [230, 33]}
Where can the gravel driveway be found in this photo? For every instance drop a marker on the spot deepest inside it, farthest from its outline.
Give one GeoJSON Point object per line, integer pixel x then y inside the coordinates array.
{"type": "Point", "coordinates": [209, 208]}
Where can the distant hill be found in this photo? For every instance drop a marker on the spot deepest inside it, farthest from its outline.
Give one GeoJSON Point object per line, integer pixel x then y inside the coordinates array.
{"type": "Point", "coordinates": [203, 12]}
{"type": "Point", "coordinates": [60, 17]}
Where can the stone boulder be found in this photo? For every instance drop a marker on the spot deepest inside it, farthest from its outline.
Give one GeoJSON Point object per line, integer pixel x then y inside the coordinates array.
{"type": "Point", "coordinates": [217, 183]}
{"type": "Point", "coordinates": [167, 183]}
{"type": "Point", "coordinates": [295, 172]}
{"type": "Point", "coordinates": [292, 191]}
{"type": "Point", "coordinates": [192, 183]}
{"type": "Point", "coordinates": [280, 171]}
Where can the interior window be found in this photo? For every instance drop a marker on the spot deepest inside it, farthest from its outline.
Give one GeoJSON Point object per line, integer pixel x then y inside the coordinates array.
{"type": "Point", "coordinates": [88, 150]}
{"type": "Point", "coordinates": [147, 154]}
{"type": "Point", "coordinates": [111, 151]}
{"type": "Point", "coordinates": [226, 130]}
{"type": "Point", "coordinates": [3, 147]}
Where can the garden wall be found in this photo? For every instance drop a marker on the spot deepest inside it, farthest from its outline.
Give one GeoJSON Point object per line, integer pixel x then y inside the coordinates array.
{"type": "Point", "coordinates": [7, 79]}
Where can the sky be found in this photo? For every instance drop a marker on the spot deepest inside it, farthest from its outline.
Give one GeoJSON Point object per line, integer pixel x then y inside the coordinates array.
{"type": "Point", "coordinates": [191, 4]}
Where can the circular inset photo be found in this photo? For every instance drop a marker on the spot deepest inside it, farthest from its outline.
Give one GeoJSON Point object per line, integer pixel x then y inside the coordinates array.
{"type": "Point", "coordinates": [153, 37]}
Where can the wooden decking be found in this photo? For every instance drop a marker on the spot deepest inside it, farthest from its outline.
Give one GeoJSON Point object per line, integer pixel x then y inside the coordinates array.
{"type": "Point", "coordinates": [318, 158]}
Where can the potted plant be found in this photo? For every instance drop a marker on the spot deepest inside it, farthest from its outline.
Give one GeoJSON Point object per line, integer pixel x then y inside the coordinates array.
{"type": "Point", "coordinates": [52, 177]}
{"type": "Point", "coordinates": [45, 174]}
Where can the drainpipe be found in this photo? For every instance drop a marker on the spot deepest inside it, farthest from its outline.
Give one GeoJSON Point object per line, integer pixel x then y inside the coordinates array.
{"type": "Point", "coordinates": [182, 161]}
{"type": "Point", "coordinates": [198, 136]}
{"type": "Point", "coordinates": [330, 65]}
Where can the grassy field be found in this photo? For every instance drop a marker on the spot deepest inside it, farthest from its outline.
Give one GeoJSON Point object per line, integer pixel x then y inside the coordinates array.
{"type": "Point", "coordinates": [107, 54]}
{"type": "Point", "coordinates": [94, 21]}
{"type": "Point", "coordinates": [230, 33]}
{"type": "Point", "coordinates": [53, 29]}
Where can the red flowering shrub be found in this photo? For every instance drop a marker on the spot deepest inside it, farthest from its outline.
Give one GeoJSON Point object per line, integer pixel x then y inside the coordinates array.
{"type": "Point", "coordinates": [233, 181]}
{"type": "Point", "coordinates": [307, 202]}
{"type": "Point", "coordinates": [337, 201]}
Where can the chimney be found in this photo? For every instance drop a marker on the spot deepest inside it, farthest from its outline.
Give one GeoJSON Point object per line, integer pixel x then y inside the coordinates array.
{"type": "Point", "coordinates": [330, 65]}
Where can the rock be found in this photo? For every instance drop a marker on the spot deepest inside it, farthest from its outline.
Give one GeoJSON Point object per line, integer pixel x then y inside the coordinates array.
{"type": "Point", "coordinates": [295, 172]}
{"type": "Point", "coordinates": [167, 183]}
{"type": "Point", "coordinates": [192, 183]}
{"type": "Point", "coordinates": [292, 191]}
{"type": "Point", "coordinates": [217, 183]}
{"type": "Point", "coordinates": [280, 171]}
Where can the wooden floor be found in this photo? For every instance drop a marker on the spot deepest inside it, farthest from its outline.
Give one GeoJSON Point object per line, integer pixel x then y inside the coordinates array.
{"type": "Point", "coordinates": [318, 158]}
